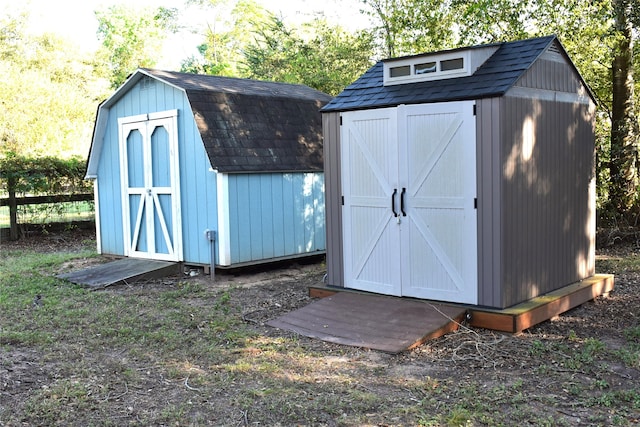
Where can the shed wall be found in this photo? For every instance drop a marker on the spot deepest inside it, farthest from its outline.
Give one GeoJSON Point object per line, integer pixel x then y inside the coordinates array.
{"type": "Point", "coordinates": [553, 72]}
{"type": "Point", "coordinates": [489, 171]}
{"type": "Point", "coordinates": [197, 181]}
{"type": "Point", "coordinates": [333, 193]}
{"type": "Point", "coordinates": [273, 215]}
{"type": "Point", "coordinates": [547, 196]}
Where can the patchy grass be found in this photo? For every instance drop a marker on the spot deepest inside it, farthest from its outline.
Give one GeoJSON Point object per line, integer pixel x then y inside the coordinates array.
{"type": "Point", "coordinates": [181, 351]}
{"type": "Point", "coordinates": [617, 262]}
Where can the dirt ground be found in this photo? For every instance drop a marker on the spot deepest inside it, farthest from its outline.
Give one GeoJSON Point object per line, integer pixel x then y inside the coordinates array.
{"type": "Point", "coordinates": [535, 362]}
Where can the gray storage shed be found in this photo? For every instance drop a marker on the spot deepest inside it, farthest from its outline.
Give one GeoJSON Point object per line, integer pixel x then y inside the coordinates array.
{"type": "Point", "coordinates": [464, 175]}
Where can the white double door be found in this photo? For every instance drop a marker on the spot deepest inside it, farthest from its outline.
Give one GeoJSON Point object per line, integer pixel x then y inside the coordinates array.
{"type": "Point", "coordinates": [150, 186]}
{"type": "Point", "coordinates": [409, 188]}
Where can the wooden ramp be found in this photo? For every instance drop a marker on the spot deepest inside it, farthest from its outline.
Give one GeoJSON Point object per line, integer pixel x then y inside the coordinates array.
{"type": "Point", "coordinates": [372, 321]}
{"type": "Point", "coordinates": [123, 270]}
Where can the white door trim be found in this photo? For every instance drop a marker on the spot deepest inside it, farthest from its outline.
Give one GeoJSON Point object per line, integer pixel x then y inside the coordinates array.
{"type": "Point", "coordinates": [150, 205]}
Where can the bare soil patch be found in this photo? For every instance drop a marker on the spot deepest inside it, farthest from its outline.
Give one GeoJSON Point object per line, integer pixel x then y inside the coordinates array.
{"type": "Point", "coordinates": [580, 368]}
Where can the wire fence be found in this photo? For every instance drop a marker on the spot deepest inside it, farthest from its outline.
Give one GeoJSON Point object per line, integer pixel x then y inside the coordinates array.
{"type": "Point", "coordinates": [40, 212]}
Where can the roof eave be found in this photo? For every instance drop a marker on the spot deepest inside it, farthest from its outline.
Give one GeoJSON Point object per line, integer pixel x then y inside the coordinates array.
{"type": "Point", "coordinates": [102, 114]}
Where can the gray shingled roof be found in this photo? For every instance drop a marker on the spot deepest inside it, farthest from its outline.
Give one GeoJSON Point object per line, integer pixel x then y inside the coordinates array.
{"type": "Point", "coordinates": [254, 126]}
{"type": "Point", "coordinates": [497, 75]}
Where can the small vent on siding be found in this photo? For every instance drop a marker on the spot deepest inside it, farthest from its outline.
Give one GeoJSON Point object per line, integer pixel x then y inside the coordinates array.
{"type": "Point", "coordinates": [553, 48]}
{"type": "Point", "coordinates": [146, 83]}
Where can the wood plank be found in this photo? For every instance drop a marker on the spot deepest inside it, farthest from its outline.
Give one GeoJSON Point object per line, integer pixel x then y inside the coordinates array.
{"type": "Point", "coordinates": [123, 270]}
{"type": "Point", "coordinates": [39, 200]}
{"type": "Point", "coordinates": [525, 315]}
{"type": "Point", "coordinates": [372, 321]}
{"type": "Point", "coordinates": [321, 292]}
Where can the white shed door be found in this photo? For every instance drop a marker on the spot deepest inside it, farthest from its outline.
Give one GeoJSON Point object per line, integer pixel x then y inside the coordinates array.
{"type": "Point", "coordinates": [369, 179]}
{"type": "Point", "coordinates": [429, 250]}
{"type": "Point", "coordinates": [149, 173]}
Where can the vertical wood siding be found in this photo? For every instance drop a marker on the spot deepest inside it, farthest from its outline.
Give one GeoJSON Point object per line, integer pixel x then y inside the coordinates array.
{"type": "Point", "coordinates": [489, 172]}
{"type": "Point", "coordinates": [274, 215]}
{"type": "Point", "coordinates": [197, 181]}
{"type": "Point", "coordinates": [333, 193]}
{"type": "Point", "coordinates": [547, 211]}
{"type": "Point", "coordinates": [551, 72]}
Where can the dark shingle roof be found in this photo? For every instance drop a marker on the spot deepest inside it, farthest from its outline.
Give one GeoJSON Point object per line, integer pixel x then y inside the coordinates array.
{"type": "Point", "coordinates": [254, 126]}
{"type": "Point", "coordinates": [493, 78]}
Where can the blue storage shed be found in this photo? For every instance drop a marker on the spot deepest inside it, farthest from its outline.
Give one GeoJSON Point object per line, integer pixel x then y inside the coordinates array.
{"type": "Point", "coordinates": [181, 162]}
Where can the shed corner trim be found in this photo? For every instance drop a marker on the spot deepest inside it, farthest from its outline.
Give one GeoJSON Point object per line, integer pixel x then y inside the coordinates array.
{"type": "Point", "coordinates": [224, 237]}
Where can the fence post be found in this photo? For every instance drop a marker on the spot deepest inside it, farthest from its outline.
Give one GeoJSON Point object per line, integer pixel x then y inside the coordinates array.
{"type": "Point", "coordinates": [13, 208]}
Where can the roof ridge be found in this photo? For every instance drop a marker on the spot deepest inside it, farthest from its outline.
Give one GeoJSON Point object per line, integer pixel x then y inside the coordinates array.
{"type": "Point", "coordinates": [156, 71]}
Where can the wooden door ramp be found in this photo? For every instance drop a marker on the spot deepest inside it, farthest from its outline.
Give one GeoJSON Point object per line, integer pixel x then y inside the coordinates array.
{"type": "Point", "coordinates": [395, 324]}
{"type": "Point", "coordinates": [372, 321]}
{"type": "Point", "coordinates": [125, 270]}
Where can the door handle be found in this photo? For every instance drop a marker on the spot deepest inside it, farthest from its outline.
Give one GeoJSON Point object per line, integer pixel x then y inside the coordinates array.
{"type": "Point", "coordinates": [393, 202]}
{"type": "Point", "coordinates": [404, 190]}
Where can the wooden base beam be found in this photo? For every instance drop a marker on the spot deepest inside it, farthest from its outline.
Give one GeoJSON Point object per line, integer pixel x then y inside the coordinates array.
{"type": "Point", "coordinates": [529, 313]}
{"type": "Point", "coordinates": [524, 315]}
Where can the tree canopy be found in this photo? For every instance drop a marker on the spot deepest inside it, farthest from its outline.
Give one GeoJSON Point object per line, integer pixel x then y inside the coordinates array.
{"type": "Point", "coordinates": [50, 91]}
{"type": "Point", "coordinates": [47, 92]}
{"type": "Point", "coordinates": [319, 55]}
{"type": "Point", "coordinates": [131, 38]}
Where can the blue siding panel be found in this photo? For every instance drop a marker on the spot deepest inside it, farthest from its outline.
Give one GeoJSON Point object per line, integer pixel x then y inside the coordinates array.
{"type": "Point", "coordinates": [274, 215]}
{"type": "Point", "coordinates": [299, 220]}
{"type": "Point", "coordinates": [289, 214]}
{"type": "Point", "coordinates": [109, 201]}
{"type": "Point", "coordinates": [278, 222]}
{"type": "Point", "coordinates": [255, 218]}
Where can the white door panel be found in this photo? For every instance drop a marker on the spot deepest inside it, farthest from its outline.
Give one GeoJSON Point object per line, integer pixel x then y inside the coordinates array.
{"type": "Point", "coordinates": [370, 238]}
{"type": "Point", "coordinates": [441, 188]}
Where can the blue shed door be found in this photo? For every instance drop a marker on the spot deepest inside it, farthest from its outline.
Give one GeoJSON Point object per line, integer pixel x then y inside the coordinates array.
{"type": "Point", "coordinates": [409, 186]}
{"type": "Point", "coordinates": [150, 186]}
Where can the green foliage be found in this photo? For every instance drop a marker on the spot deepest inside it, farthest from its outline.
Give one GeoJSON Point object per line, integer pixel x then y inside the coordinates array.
{"type": "Point", "coordinates": [490, 21]}
{"type": "Point", "coordinates": [11, 35]}
{"type": "Point", "coordinates": [318, 55]}
{"type": "Point", "coordinates": [50, 90]}
{"type": "Point", "coordinates": [132, 38]}
{"type": "Point", "coordinates": [411, 26]}
{"type": "Point", "coordinates": [47, 93]}
{"type": "Point", "coordinates": [257, 44]}
{"type": "Point", "coordinates": [43, 175]}
{"type": "Point", "coordinates": [221, 52]}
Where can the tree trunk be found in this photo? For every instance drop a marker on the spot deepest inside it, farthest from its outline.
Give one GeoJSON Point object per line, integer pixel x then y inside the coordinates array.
{"type": "Point", "coordinates": [624, 150]}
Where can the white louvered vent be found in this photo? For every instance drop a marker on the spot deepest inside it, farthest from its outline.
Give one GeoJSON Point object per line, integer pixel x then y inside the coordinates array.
{"type": "Point", "coordinates": [553, 48]}
{"type": "Point", "coordinates": [146, 83]}
{"type": "Point", "coordinates": [435, 66]}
